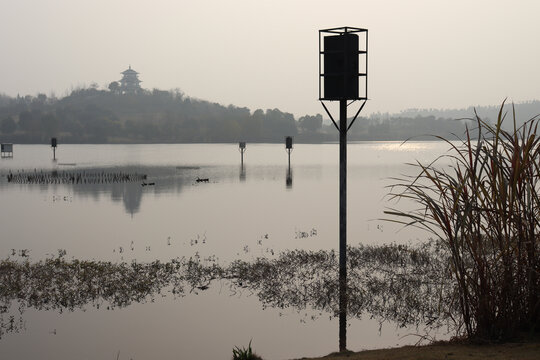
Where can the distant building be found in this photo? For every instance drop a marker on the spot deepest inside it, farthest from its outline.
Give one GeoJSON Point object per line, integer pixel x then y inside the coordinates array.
{"type": "Point", "coordinates": [129, 84]}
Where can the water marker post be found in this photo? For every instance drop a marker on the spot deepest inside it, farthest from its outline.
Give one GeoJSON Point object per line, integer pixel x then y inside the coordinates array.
{"type": "Point", "coordinates": [242, 149]}
{"type": "Point", "coordinates": [342, 63]}
{"type": "Point", "coordinates": [54, 143]}
{"type": "Point", "coordinates": [289, 148]}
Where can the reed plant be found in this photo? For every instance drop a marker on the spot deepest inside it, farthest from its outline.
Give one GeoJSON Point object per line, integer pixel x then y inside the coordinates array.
{"type": "Point", "coordinates": [245, 353]}
{"type": "Point", "coordinates": [484, 208]}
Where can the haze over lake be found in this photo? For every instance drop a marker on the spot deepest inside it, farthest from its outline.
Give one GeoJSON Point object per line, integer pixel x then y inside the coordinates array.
{"type": "Point", "coordinates": [240, 213]}
{"type": "Point", "coordinates": [161, 243]}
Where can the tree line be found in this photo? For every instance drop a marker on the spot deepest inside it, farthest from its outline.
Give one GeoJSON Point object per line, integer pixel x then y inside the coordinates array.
{"type": "Point", "coordinates": [91, 115]}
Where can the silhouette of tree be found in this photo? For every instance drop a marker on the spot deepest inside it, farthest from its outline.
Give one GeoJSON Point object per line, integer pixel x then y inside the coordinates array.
{"type": "Point", "coordinates": [50, 123]}
{"type": "Point", "coordinates": [90, 115]}
{"type": "Point", "coordinates": [8, 125]}
{"type": "Point", "coordinates": [114, 87]}
{"type": "Point", "coordinates": [29, 121]}
{"type": "Point", "coordinates": [310, 123]}
{"type": "Point", "coordinates": [41, 99]}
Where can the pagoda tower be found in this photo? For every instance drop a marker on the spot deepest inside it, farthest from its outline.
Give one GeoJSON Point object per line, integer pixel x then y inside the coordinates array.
{"type": "Point", "coordinates": [129, 84]}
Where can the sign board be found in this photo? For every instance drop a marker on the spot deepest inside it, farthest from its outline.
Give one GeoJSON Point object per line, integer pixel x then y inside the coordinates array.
{"type": "Point", "coordinates": [288, 142]}
{"type": "Point", "coordinates": [7, 147]}
{"type": "Point", "coordinates": [6, 150]}
{"type": "Point", "coordinates": [341, 67]}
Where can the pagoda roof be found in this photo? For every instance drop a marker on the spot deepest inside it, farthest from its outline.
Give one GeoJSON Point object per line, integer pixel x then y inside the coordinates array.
{"type": "Point", "coordinates": [135, 80]}
{"type": "Point", "coordinates": [129, 71]}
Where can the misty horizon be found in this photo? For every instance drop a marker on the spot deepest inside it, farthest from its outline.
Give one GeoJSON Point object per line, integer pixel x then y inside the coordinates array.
{"type": "Point", "coordinates": [382, 113]}
{"type": "Point", "coordinates": [422, 54]}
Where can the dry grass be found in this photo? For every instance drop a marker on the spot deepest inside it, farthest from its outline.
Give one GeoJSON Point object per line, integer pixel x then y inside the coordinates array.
{"type": "Point", "coordinates": [485, 209]}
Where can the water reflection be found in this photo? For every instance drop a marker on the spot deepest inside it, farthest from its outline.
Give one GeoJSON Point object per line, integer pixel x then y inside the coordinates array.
{"type": "Point", "coordinates": [178, 208]}
{"type": "Point", "coordinates": [127, 184]}
{"type": "Point", "coordinates": [130, 194]}
{"type": "Point", "coordinates": [402, 284]}
{"type": "Point", "coordinates": [242, 172]}
{"type": "Point", "coordinates": [289, 178]}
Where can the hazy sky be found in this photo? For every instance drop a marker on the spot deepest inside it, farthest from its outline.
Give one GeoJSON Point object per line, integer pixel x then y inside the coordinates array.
{"type": "Point", "coordinates": [264, 54]}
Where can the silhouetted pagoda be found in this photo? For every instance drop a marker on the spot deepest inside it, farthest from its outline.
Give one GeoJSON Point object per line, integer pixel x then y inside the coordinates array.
{"type": "Point", "coordinates": [129, 84]}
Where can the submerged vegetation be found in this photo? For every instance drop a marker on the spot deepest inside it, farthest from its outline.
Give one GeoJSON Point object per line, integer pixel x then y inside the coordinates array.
{"type": "Point", "coordinates": [398, 283]}
{"type": "Point", "coordinates": [73, 177]}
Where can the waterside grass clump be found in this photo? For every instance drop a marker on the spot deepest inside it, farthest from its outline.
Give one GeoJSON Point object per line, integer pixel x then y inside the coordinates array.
{"type": "Point", "coordinates": [484, 209]}
{"type": "Point", "coordinates": [245, 353]}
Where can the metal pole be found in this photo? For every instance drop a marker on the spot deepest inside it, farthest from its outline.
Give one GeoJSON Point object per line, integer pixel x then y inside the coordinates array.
{"type": "Point", "coordinates": [342, 225]}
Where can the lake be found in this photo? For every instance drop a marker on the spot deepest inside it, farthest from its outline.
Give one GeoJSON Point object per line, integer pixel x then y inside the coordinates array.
{"type": "Point", "coordinates": [242, 212]}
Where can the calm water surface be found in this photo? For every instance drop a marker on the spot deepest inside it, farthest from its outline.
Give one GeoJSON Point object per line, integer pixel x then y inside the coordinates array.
{"type": "Point", "coordinates": [244, 212]}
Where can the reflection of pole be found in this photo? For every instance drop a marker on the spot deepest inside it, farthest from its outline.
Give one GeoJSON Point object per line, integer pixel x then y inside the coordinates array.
{"type": "Point", "coordinates": [342, 225]}
{"type": "Point", "coordinates": [54, 153]}
{"type": "Point", "coordinates": [289, 152]}
{"type": "Point", "coordinates": [288, 179]}
{"type": "Point", "coordinates": [242, 173]}
{"type": "Point", "coordinates": [288, 148]}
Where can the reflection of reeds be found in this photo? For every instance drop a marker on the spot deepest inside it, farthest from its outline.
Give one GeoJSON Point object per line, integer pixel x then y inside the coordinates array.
{"type": "Point", "coordinates": [400, 283]}
{"type": "Point", "coordinates": [485, 209]}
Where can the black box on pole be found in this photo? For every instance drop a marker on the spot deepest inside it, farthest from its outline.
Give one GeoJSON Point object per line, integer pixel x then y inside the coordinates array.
{"type": "Point", "coordinates": [288, 142]}
{"type": "Point", "coordinates": [341, 66]}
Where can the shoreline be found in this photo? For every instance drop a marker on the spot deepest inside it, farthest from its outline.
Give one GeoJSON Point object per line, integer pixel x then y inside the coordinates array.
{"type": "Point", "coordinates": [519, 350]}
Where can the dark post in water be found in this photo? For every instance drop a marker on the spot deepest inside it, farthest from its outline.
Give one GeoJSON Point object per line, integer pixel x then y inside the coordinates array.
{"type": "Point", "coordinates": [342, 63]}
{"type": "Point", "coordinates": [288, 148]}
{"type": "Point", "coordinates": [54, 143]}
{"type": "Point", "coordinates": [242, 148]}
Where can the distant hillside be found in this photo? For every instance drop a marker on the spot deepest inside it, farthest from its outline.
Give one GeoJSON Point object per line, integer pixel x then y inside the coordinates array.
{"type": "Point", "coordinates": [98, 116]}
{"type": "Point", "coordinates": [90, 115]}
{"type": "Point", "coordinates": [524, 111]}
{"type": "Point", "coordinates": [403, 128]}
